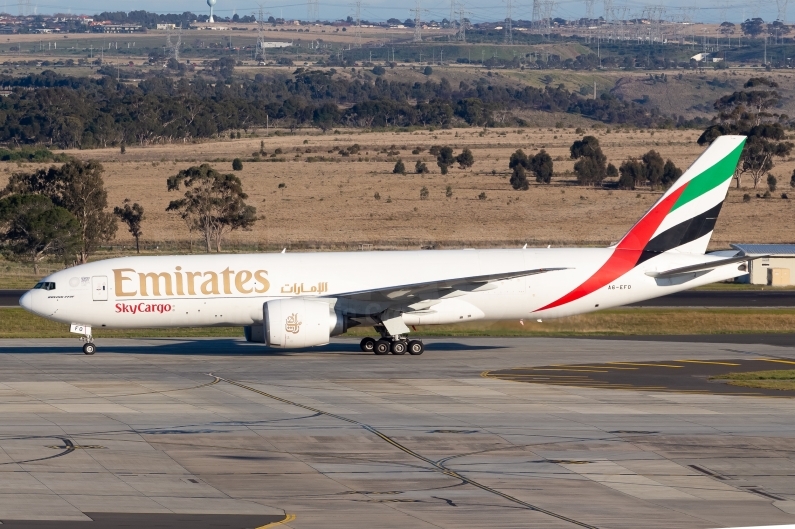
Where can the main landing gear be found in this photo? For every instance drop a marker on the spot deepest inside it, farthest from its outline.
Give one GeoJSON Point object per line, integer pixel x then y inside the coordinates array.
{"type": "Point", "coordinates": [392, 344]}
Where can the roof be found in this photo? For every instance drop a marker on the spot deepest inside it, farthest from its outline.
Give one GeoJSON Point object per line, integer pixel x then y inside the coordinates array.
{"type": "Point", "coordinates": [776, 250]}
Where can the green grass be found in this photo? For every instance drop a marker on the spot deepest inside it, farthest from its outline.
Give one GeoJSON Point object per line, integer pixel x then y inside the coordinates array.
{"type": "Point", "coordinates": [778, 379]}
{"type": "Point", "coordinates": [17, 323]}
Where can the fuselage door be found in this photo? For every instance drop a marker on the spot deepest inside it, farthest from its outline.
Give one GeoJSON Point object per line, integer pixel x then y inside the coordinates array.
{"type": "Point", "coordinates": [99, 287]}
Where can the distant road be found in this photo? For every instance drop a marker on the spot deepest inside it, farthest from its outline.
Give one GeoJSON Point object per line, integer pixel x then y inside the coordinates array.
{"type": "Point", "coordinates": [10, 298]}
{"type": "Point", "coordinates": [698, 298]}
{"type": "Point", "coordinates": [725, 299]}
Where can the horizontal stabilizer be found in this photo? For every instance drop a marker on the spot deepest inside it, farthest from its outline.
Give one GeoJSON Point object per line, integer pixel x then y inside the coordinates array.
{"type": "Point", "coordinates": [701, 267]}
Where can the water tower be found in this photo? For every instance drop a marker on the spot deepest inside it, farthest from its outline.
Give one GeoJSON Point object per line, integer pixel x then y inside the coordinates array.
{"type": "Point", "coordinates": [211, 3]}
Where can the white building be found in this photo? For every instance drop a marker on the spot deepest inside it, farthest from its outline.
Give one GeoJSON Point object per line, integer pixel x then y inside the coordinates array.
{"type": "Point", "coordinates": [777, 270]}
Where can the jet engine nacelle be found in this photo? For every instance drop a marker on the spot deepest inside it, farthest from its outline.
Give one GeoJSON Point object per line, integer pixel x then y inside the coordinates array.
{"type": "Point", "coordinates": [292, 323]}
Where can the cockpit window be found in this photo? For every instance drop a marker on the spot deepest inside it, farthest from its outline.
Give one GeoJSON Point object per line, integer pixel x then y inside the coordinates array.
{"type": "Point", "coordinates": [38, 285]}
{"type": "Point", "coordinates": [50, 286]}
{"type": "Point", "coordinates": [46, 285]}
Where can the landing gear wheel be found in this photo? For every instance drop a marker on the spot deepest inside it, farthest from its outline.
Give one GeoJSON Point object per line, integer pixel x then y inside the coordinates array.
{"type": "Point", "coordinates": [416, 347]}
{"type": "Point", "coordinates": [398, 347]}
{"type": "Point", "coordinates": [367, 345]}
{"type": "Point", "coordinates": [381, 347]}
{"type": "Point", "coordinates": [89, 348]}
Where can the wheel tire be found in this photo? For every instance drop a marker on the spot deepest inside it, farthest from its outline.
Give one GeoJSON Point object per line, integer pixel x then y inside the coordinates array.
{"type": "Point", "coordinates": [367, 345]}
{"type": "Point", "coordinates": [381, 347]}
{"type": "Point", "coordinates": [416, 347]}
{"type": "Point", "coordinates": [398, 347]}
{"type": "Point", "coordinates": [89, 348]}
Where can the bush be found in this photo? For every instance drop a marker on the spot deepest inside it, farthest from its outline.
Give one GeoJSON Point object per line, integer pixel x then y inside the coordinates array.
{"type": "Point", "coordinates": [772, 181]}
{"type": "Point", "coordinates": [519, 179]}
{"type": "Point", "coordinates": [377, 195]}
{"type": "Point", "coordinates": [400, 168]}
{"type": "Point", "coordinates": [379, 70]}
{"type": "Point", "coordinates": [237, 164]}
{"type": "Point", "coordinates": [541, 165]}
{"type": "Point", "coordinates": [482, 196]}
{"type": "Point", "coordinates": [445, 159]}
{"type": "Point", "coordinates": [123, 148]}
{"type": "Point", "coordinates": [465, 159]}
{"type": "Point", "coordinates": [427, 71]}
{"type": "Point", "coordinates": [420, 168]}
{"type": "Point", "coordinates": [611, 170]}
{"type": "Point", "coordinates": [746, 197]}
{"type": "Point", "coordinates": [792, 180]}
{"type": "Point", "coordinates": [424, 193]}
{"type": "Point", "coordinates": [448, 192]}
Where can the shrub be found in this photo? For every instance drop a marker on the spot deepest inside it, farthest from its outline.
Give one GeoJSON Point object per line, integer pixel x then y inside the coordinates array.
{"type": "Point", "coordinates": [420, 168]}
{"type": "Point", "coordinates": [611, 170]}
{"type": "Point", "coordinates": [482, 196]}
{"type": "Point", "coordinates": [427, 71]}
{"type": "Point", "coordinates": [123, 148]}
{"type": "Point", "coordinates": [746, 197]}
{"type": "Point", "coordinates": [541, 165]}
{"type": "Point", "coordinates": [448, 192]}
{"type": "Point", "coordinates": [400, 168]}
{"type": "Point", "coordinates": [445, 159]}
{"type": "Point", "coordinates": [772, 181]}
{"type": "Point", "coordinates": [379, 70]}
{"type": "Point", "coordinates": [377, 195]}
{"type": "Point", "coordinates": [424, 193]}
{"type": "Point", "coordinates": [237, 164]}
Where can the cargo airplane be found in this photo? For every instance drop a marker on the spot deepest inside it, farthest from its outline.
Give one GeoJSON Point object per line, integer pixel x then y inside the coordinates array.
{"type": "Point", "coordinates": [298, 300]}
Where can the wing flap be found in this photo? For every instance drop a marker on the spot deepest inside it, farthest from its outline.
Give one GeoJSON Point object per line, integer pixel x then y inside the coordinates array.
{"type": "Point", "coordinates": [700, 267]}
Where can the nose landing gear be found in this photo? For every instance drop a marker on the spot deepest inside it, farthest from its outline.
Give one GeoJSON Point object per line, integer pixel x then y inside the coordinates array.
{"type": "Point", "coordinates": [88, 348]}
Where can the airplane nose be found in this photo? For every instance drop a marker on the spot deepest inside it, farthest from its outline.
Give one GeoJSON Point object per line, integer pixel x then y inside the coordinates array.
{"type": "Point", "coordinates": [26, 301]}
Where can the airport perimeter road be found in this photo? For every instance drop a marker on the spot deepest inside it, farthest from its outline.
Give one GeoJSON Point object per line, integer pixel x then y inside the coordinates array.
{"type": "Point", "coordinates": [10, 298]}
{"type": "Point", "coordinates": [492, 432]}
{"type": "Point", "coordinates": [725, 299]}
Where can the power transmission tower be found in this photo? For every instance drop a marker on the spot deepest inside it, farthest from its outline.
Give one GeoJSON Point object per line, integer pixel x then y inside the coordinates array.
{"type": "Point", "coordinates": [173, 47]}
{"type": "Point", "coordinates": [259, 52]}
{"type": "Point", "coordinates": [608, 10]}
{"type": "Point", "coordinates": [313, 10]}
{"type": "Point", "coordinates": [462, 23]}
{"type": "Point", "coordinates": [547, 7]}
{"type": "Point", "coordinates": [417, 23]}
{"type": "Point", "coordinates": [782, 11]}
{"type": "Point", "coordinates": [589, 9]}
{"type": "Point", "coordinates": [536, 14]}
{"type": "Point", "coordinates": [358, 31]}
{"type": "Point", "coordinates": [508, 28]}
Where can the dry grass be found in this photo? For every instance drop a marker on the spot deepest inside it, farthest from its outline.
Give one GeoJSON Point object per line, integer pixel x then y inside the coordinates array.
{"type": "Point", "coordinates": [783, 379]}
{"type": "Point", "coordinates": [331, 204]}
{"type": "Point", "coordinates": [17, 323]}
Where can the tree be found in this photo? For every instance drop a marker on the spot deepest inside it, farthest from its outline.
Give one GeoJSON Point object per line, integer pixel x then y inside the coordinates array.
{"type": "Point", "coordinates": [632, 172]}
{"type": "Point", "coordinates": [792, 179]}
{"type": "Point", "coordinates": [748, 112]}
{"type": "Point", "coordinates": [32, 227]}
{"type": "Point", "coordinates": [541, 165]}
{"type": "Point", "coordinates": [465, 159]}
{"type": "Point", "coordinates": [237, 164]}
{"type": "Point", "coordinates": [427, 71]}
{"type": "Point", "coordinates": [420, 168]}
{"type": "Point", "coordinates": [132, 216]}
{"type": "Point", "coordinates": [79, 188]}
{"type": "Point", "coordinates": [400, 168]}
{"type": "Point", "coordinates": [445, 159]}
{"type": "Point", "coordinates": [379, 70]}
{"type": "Point", "coordinates": [518, 158]}
{"type": "Point", "coordinates": [213, 203]}
{"type": "Point", "coordinates": [753, 27]}
{"type": "Point", "coordinates": [591, 166]}
{"type": "Point", "coordinates": [671, 173]}
{"type": "Point", "coordinates": [519, 179]}
{"type": "Point", "coordinates": [654, 168]}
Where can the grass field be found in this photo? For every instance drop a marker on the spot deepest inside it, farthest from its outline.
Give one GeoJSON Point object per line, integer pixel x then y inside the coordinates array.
{"type": "Point", "coordinates": [16, 323]}
{"type": "Point", "coordinates": [778, 379]}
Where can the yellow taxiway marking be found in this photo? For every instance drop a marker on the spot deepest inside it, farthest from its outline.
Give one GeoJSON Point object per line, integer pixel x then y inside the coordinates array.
{"type": "Point", "coordinates": [287, 518]}
{"type": "Point", "coordinates": [573, 370]}
{"type": "Point", "coordinates": [706, 362]}
{"type": "Point", "coordinates": [594, 367]}
{"type": "Point", "coordinates": [779, 361]}
{"type": "Point", "coordinates": [643, 365]}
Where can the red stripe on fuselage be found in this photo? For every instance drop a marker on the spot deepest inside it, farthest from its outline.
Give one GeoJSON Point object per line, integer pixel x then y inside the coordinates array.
{"type": "Point", "coordinates": [626, 255]}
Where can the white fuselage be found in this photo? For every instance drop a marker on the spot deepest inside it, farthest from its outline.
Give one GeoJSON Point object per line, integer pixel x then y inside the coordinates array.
{"type": "Point", "coordinates": [229, 290]}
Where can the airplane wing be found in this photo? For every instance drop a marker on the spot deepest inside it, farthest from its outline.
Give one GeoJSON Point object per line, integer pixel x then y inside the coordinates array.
{"type": "Point", "coordinates": [438, 288]}
{"type": "Point", "coordinates": [701, 267]}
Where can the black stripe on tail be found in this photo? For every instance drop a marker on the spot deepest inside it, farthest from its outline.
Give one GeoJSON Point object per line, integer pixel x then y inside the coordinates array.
{"type": "Point", "coordinates": [682, 233]}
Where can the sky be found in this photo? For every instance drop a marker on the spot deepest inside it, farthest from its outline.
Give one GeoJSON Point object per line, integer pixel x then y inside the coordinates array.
{"type": "Point", "coordinates": [379, 10]}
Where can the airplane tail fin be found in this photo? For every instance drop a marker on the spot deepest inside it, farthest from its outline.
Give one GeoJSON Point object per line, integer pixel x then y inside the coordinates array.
{"type": "Point", "coordinates": [684, 217]}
